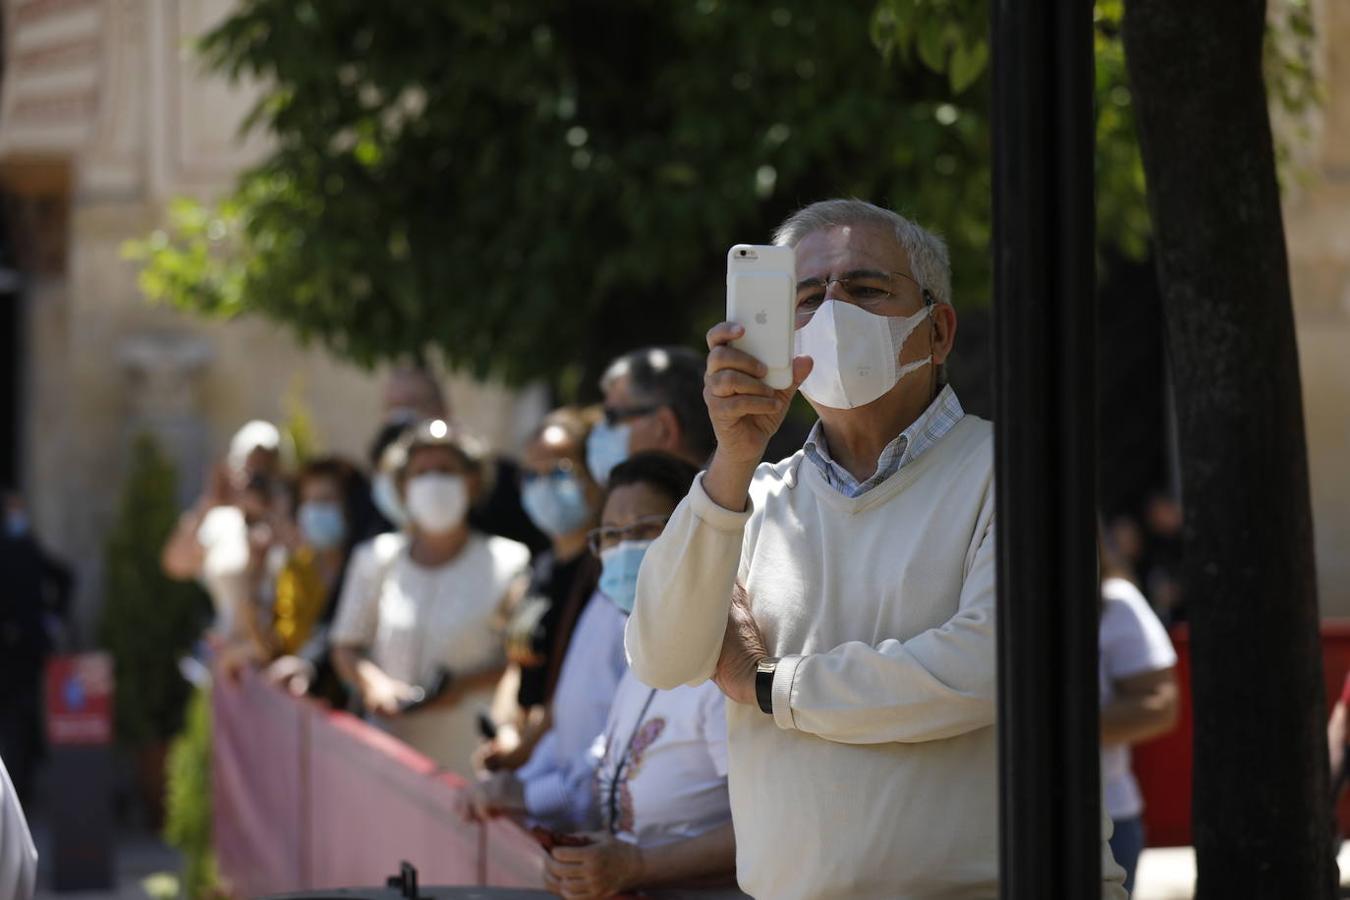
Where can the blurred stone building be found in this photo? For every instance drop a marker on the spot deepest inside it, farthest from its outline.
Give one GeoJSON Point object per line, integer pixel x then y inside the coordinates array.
{"type": "Point", "coordinates": [104, 118]}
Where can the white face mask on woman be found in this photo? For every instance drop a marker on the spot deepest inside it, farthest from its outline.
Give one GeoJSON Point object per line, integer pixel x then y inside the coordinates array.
{"type": "Point", "coordinates": [856, 353]}
{"type": "Point", "coordinates": [437, 503]}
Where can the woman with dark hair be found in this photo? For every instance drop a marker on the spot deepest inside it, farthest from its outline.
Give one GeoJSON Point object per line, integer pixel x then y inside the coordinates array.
{"type": "Point", "coordinates": [660, 783]}
{"type": "Point", "coordinates": [306, 584]}
{"type": "Point", "coordinates": [298, 573]}
{"type": "Point", "coordinates": [332, 510]}
{"type": "Point", "coordinates": [650, 794]}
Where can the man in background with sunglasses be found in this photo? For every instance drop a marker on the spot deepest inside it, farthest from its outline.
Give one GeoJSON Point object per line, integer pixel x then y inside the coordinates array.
{"type": "Point", "coordinates": [860, 658]}
{"type": "Point", "coordinates": [653, 401]}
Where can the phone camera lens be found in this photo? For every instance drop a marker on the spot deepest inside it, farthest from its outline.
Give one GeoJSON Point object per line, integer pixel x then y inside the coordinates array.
{"type": "Point", "coordinates": [742, 253]}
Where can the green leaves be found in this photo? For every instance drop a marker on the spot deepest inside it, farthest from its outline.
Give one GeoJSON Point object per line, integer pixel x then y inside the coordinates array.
{"type": "Point", "coordinates": [967, 64]}
{"type": "Point", "coordinates": [949, 36]}
{"type": "Point", "coordinates": [527, 189]}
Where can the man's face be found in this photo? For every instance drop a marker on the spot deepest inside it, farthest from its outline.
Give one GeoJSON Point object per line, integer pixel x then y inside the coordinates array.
{"type": "Point", "coordinates": [870, 255]}
{"type": "Point", "coordinates": [647, 430]}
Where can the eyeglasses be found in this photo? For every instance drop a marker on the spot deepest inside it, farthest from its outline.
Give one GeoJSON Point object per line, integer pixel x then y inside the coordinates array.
{"type": "Point", "coordinates": [647, 528]}
{"type": "Point", "coordinates": [870, 289]}
{"type": "Point", "coordinates": [615, 415]}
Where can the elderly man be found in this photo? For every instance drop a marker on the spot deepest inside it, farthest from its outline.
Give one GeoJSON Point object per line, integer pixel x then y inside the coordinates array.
{"type": "Point", "coordinates": [844, 597]}
{"type": "Point", "coordinates": [653, 401]}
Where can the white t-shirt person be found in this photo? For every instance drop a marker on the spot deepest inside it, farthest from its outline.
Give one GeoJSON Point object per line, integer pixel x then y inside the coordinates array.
{"type": "Point", "coordinates": [662, 772]}
{"type": "Point", "coordinates": [1131, 641]}
{"type": "Point", "coordinates": [416, 620]}
{"type": "Point", "coordinates": [223, 535]}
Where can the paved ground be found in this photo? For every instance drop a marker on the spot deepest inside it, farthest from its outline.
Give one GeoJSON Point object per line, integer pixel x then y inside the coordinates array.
{"type": "Point", "coordinates": [1168, 873]}
{"type": "Point", "coordinates": [139, 856]}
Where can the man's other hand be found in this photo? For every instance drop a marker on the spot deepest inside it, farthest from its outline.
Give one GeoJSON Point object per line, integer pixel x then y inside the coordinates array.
{"type": "Point", "coordinates": [742, 649]}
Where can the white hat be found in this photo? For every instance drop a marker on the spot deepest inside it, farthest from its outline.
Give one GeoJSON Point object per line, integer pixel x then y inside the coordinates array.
{"type": "Point", "coordinates": [256, 434]}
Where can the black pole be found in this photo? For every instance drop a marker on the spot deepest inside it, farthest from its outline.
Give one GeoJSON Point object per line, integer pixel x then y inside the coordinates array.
{"type": "Point", "coordinates": [1044, 333]}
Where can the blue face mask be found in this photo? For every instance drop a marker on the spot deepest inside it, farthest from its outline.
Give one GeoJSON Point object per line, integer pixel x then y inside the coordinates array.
{"type": "Point", "coordinates": [16, 524]}
{"type": "Point", "coordinates": [606, 447]}
{"type": "Point", "coordinates": [619, 572]}
{"type": "Point", "coordinates": [384, 494]}
{"type": "Point", "coordinates": [321, 525]}
{"type": "Point", "coordinates": [556, 504]}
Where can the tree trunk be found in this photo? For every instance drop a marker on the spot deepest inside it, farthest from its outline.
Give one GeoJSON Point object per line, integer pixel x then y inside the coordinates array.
{"type": "Point", "coordinates": [1261, 809]}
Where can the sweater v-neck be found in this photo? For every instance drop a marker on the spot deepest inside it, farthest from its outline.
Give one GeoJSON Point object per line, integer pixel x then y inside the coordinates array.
{"type": "Point", "coordinates": [893, 485]}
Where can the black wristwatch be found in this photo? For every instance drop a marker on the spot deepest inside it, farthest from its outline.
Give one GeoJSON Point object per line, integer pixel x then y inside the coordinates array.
{"type": "Point", "coordinates": [764, 683]}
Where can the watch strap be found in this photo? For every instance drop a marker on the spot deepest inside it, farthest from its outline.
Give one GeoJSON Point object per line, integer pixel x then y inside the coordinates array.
{"type": "Point", "coordinates": [764, 674]}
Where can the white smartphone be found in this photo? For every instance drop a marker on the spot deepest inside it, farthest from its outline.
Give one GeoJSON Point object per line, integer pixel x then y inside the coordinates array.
{"type": "Point", "coordinates": [761, 296]}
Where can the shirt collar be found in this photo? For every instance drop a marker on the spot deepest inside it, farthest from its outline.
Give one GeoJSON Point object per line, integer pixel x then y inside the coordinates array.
{"type": "Point", "coordinates": [925, 431]}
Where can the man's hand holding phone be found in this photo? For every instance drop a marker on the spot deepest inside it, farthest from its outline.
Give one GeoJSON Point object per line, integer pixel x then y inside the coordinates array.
{"type": "Point", "coordinates": [745, 413]}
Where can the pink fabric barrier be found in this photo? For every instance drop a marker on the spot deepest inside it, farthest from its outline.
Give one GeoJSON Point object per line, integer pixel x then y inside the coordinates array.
{"type": "Point", "coordinates": [259, 737]}
{"type": "Point", "coordinates": [307, 798]}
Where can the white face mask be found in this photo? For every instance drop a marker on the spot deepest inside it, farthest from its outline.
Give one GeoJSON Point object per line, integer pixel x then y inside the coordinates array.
{"type": "Point", "coordinates": [856, 353]}
{"type": "Point", "coordinates": [437, 503]}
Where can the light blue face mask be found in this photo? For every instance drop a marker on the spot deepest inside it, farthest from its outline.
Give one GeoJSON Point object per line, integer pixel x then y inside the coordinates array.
{"type": "Point", "coordinates": [384, 494]}
{"type": "Point", "coordinates": [321, 525]}
{"type": "Point", "coordinates": [606, 447]}
{"type": "Point", "coordinates": [555, 503]}
{"type": "Point", "coordinates": [619, 572]}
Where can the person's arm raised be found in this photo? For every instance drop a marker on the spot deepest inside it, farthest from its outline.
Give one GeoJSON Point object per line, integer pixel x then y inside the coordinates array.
{"type": "Point", "coordinates": [182, 555]}
{"type": "Point", "coordinates": [674, 635]}
{"type": "Point", "coordinates": [745, 414]}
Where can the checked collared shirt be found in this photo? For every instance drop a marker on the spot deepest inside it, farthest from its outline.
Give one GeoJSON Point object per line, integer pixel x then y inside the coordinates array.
{"type": "Point", "coordinates": [935, 421]}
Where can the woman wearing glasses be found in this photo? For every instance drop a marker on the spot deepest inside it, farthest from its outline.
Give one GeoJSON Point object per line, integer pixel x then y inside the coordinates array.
{"type": "Point", "coordinates": [660, 785]}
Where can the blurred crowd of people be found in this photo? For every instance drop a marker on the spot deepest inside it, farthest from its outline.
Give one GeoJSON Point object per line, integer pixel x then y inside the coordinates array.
{"type": "Point", "coordinates": [474, 606]}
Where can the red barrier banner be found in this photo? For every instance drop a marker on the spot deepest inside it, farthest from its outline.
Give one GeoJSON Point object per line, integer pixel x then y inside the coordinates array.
{"type": "Point", "coordinates": [307, 798]}
{"type": "Point", "coordinates": [1164, 765]}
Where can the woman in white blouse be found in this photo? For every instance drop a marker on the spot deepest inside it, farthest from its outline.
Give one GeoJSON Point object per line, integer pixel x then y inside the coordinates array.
{"type": "Point", "coordinates": [660, 787]}
{"type": "Point", "coordinates": [418, 632]}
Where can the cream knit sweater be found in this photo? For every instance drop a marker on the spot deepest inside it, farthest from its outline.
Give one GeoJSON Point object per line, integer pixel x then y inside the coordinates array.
{"type": "Point", "coordinates": [877, 775]}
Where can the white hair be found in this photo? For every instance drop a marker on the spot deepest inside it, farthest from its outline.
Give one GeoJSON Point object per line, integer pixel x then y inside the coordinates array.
{"type": "Point", "coordinates": [926, 251]}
